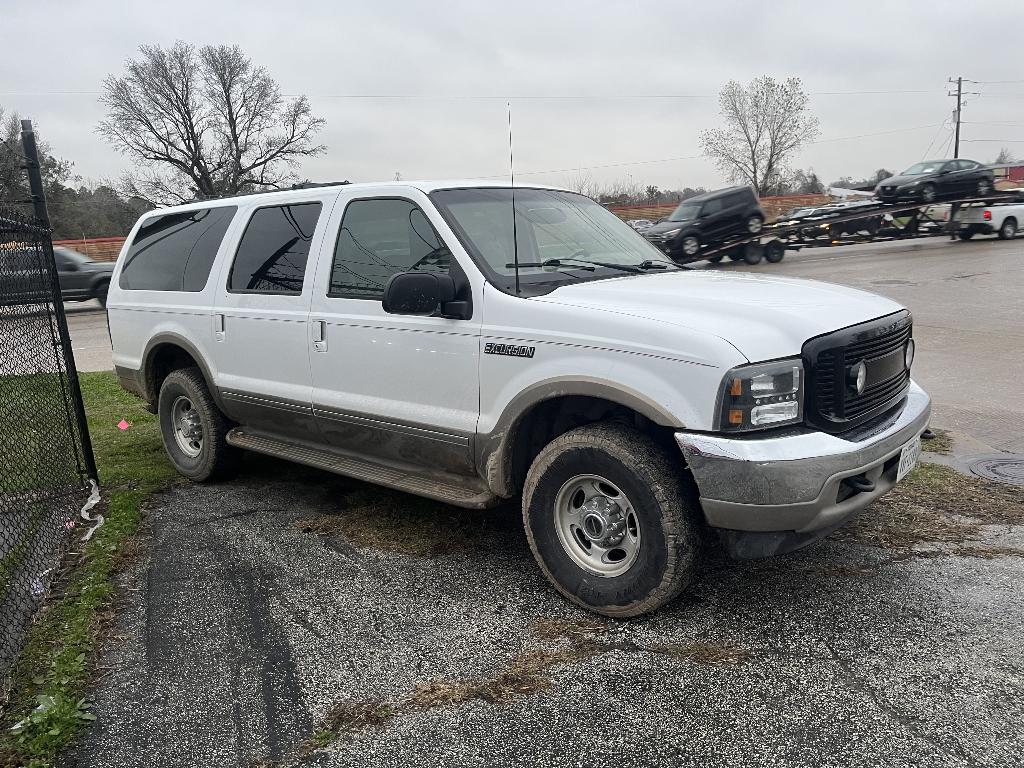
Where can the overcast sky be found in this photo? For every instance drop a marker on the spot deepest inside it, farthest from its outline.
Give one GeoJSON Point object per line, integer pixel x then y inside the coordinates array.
{"type": "Point", "coordinates": [622, 87]}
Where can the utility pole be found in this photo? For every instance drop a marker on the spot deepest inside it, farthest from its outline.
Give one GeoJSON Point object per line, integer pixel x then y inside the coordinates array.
{"type": "Point", "coordinates": [959, 96]}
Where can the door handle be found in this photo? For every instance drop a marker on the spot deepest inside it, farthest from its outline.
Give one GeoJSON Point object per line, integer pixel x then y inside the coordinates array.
{"type": "Point", "coordinates": [319, 336]}
{"type": "Point", "coordinates": [218, 327]}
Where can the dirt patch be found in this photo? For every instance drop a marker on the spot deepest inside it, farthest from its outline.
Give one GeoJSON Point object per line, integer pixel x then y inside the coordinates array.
{"type": "Point", "coordinates": [936, 509]}
{"type": "Point", "coordinates": [942, 443]}
{"type": "Point", "coordinates": [559, 629]}
{"type": "Point", "coordinates": [395, 522]}
{"type": "Point", "coordinates": [705, 653]}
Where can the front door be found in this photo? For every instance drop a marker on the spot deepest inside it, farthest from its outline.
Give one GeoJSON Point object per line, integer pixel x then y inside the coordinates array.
{"type": "Point", "coordinates": [402, 389]}
{"type": "Point", "coordinates": [261, 319]}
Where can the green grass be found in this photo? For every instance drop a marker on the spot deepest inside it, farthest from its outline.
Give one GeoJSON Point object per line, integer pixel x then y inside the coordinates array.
{"type": "Point", "coordinates": [48, 704]}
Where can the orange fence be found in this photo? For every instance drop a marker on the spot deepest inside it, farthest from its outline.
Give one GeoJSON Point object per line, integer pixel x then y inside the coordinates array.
{"type": "Point", "coordinates": [97, 248]}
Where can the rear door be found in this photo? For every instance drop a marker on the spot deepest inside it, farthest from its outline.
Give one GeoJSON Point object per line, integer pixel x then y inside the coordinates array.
{"type": "Point", "coordinates": [713, 219]}
{"type": "Point", "coordinates": [402, 389]}
{"type": "Point", "coordinates": [260, 322]}
{"type": "Point", "coordinates": [74, 281]}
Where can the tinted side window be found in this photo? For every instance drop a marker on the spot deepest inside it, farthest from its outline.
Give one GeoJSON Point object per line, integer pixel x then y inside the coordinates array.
{"type": "Point", "coordinates": [711, 207]}
{"type": "Point", "coordinates": [738, 199]}
{"type": "Point", "coordinates": [272, 254]}
{"type": "Point", "coordinates": [379, 238]}
{"type": "Point", "coordinates": [968, 165]}
{"type": "Point", "coordinates": [175, 252]}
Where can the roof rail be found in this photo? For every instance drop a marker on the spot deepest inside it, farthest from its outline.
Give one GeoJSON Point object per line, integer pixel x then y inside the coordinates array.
{"type": "Point", "coordinates": [311, 184]}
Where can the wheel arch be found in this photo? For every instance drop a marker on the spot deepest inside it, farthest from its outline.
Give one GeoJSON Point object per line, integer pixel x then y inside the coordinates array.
{"type": "Point", "coordinates": [548, 409]}
{"type": "Point", "coordinates": [167, 352]}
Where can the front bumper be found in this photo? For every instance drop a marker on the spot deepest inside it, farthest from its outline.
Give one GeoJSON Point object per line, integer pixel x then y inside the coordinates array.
{"type": "Point", "coordinates": [793, 485]}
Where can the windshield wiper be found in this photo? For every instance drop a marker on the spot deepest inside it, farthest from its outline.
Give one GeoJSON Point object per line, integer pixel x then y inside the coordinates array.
{"type": "Point", "coordinates": [572, 260]}
{"type": "Point", "coordinates": [649, 264]}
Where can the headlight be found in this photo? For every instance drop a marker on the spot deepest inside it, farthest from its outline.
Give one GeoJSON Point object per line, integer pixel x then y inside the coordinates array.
{"type": "Point", "coordinates": [762, 395]}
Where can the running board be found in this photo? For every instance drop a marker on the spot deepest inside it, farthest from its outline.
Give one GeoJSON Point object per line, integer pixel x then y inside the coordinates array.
{"type": "Point", "coordinates": [447, 489]}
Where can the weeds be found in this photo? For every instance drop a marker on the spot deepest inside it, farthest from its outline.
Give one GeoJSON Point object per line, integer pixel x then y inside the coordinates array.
{"type": "Point", "coordinates": [48, 704]}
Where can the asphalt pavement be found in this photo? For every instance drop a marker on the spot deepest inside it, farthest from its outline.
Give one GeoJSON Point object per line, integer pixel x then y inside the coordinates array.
{"type": "Point", "coordinates": [289, 598]}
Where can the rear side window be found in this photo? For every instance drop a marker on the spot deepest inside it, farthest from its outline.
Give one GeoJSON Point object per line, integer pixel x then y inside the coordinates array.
{"type": "Point", "coordinates": [378, 239]}
{"type": "Point", "coordinates": [711, 207]}
{"type": "Point", "coordinates": [271, 256]}
{"type": "Point", "coordinates": [175, 252]}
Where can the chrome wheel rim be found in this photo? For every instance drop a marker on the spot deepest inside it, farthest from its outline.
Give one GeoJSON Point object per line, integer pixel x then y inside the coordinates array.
{"type": "Point", "coordinates": [754, 225]}
{"type": "Point", "coordinates": [187, 427]}
{"type": "Point", "coordinates": [690, 246]}
{"type": "Point", "coordinates": [928, 194]}
{"type": "Point", "coordinates": [982, 187]}
{"type": "Point", "coordinates": [597, 526]}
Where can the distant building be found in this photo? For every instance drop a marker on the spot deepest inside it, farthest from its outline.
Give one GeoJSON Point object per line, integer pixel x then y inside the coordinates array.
{"type": "Point", "coordinates": [1009, 172]}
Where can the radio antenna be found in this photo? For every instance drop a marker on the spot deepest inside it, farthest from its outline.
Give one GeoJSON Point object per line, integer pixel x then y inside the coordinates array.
{"type": "Point", "coordinates": [512, 177]}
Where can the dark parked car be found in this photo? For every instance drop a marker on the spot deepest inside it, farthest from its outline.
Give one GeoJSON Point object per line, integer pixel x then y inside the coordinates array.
{"type": "Point", "coordinates": [708, 219]}
{"type": "Point", "coordinates": [934, 179]}
{"type": "Point", "coordinates": [80, 277]}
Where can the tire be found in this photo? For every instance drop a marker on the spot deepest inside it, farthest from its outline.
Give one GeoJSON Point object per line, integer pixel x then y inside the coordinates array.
{"type": "Point", "coordinates": [1008, 230]}
{"type": "Point", "coordinates": [614, 462]}
{"type": "Point", "coordinates": [100, 294]}
{"type": "Point", "coordinates": [965, 234]}
{"type": "Point", "coordinates": [184, 396]}
{"type": "Point", "coordinates": [716, 258]}
{"type": "Point", "coordinates": [774, 252]}
{"type": "Point", "coordinates": [928, 193]}
{"type": "Point", "coordinates": [984, 187]}
{"type": "Point", "coordinates": [753, 253]}
{"type": "Point", "coordinates": [691, 246]}
{"type": "Point", "coordinates": [755, 224]}
{"type": "Point", "coordinates": [736, 254]}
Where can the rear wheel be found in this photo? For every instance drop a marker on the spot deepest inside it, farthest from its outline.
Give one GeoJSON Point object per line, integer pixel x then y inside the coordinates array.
{"type": "Point", "coordinates": [774, 252]}
{"type": "Point", "coordinates": [101, 293]}
{"type": "Point", "coordinates": [194, 430]}
{"type": "Point", "coordinates": [984, 187]}
{"type": "Point", "coordinates": [1008, 230]}
{"type": "Point", "coordinates": [965, 234]}
{"type": "Point", "coordinates": [716, 258]}
{"type": "Point", "coordinates": [753, 253]}
{"type": "Point", "coordinates": [611, 520]}
{"type": "Point", "coordinates": [754, 224]}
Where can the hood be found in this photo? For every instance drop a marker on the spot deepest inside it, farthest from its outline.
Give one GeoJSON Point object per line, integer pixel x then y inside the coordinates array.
{"type": "Point", "coordinates": [899, 181]}
{"type": "Point", "coordinates": [666, 226]}
{"type": "Point", "coordinates": [762, 317]}
{"type": "Point", "coordinates": [99, 266]}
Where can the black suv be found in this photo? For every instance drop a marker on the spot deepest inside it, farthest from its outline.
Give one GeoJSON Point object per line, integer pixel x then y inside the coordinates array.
{"type": "Point", "coordinates": [708, 219]}
{"type": "Point", "coordinates": [80, 277]}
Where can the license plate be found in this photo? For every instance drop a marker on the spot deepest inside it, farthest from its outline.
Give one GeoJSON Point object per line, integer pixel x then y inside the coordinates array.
{"type": "Point", "coordinates": [908, 458]}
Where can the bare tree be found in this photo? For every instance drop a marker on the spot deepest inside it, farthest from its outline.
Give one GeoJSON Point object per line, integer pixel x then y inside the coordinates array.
{"type": "Point", "coordinates": [13, 179]}
{"type": "Point", "coordinates": [765, 123]}
{"type": "Point", "coordinates": [583, 182]}
{"type": "Point", "coordinates": [1005, 156]}
{"type": "Point", "coordinates": [204, 123]}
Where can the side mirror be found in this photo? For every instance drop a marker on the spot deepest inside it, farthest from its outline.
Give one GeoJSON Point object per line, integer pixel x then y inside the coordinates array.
{"type": "Point", "coordinates": [423, 293]}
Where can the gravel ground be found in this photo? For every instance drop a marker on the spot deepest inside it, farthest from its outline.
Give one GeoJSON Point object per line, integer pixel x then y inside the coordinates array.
{"type": "Point", "coordinates": [256, 607]}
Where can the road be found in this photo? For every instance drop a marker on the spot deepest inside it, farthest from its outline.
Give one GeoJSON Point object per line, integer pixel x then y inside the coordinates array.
{"type": "Point", "coordinates": [967, 300]}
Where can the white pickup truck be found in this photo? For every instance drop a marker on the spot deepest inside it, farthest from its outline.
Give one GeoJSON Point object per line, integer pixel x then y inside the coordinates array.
{"type": "Point", "coordinates": [1002, 219]}
{"type": "Point", "coordinates": [473, 342]}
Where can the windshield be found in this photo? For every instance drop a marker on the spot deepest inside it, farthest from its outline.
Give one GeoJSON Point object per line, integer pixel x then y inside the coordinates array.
{"type": "Point", "coordinates": [562, 228]}
{"type": "Point", "coordinates": [931, 166]}
{"type": "Point", "coordinates": [685, 212]}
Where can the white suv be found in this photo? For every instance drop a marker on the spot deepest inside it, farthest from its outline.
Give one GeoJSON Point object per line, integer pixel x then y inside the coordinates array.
{"type": "Point", "coordinates": [422, 337]}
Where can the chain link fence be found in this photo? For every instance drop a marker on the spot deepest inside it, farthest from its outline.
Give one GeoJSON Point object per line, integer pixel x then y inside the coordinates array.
{"type": "Point", "coordinates": [45, 464]}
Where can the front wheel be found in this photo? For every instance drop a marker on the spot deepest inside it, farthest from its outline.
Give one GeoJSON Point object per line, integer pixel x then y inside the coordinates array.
{"type": "Point", "coordinates": [101, 294]}
{"type": "Point", "coordinates": [754, 224]}
{"type": "Point", "coordinates": [928, 193]}
{"type": "Point", "coordinates": [774, 252]}
{"type": "Point", "coordinates": [611, 521]}
{"type": "Point", "coordinates": [1009, 229]}
{"type": "Point", "coordinates": [691, 245]}
{"type": "Point", "coordinates": [193, 429]}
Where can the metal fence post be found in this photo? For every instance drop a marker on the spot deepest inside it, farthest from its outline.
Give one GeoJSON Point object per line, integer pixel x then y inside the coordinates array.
{"type": "Point", "coordinates": [35, 182]}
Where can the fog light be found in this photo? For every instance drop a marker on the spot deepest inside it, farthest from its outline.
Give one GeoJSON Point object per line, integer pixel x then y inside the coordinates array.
{"type": "Point", "coordinates": [857, 377]}
{"type": "Point", "coordinates": [772, 413]}
{"type": "Point", "coordinates": [908, 355]}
